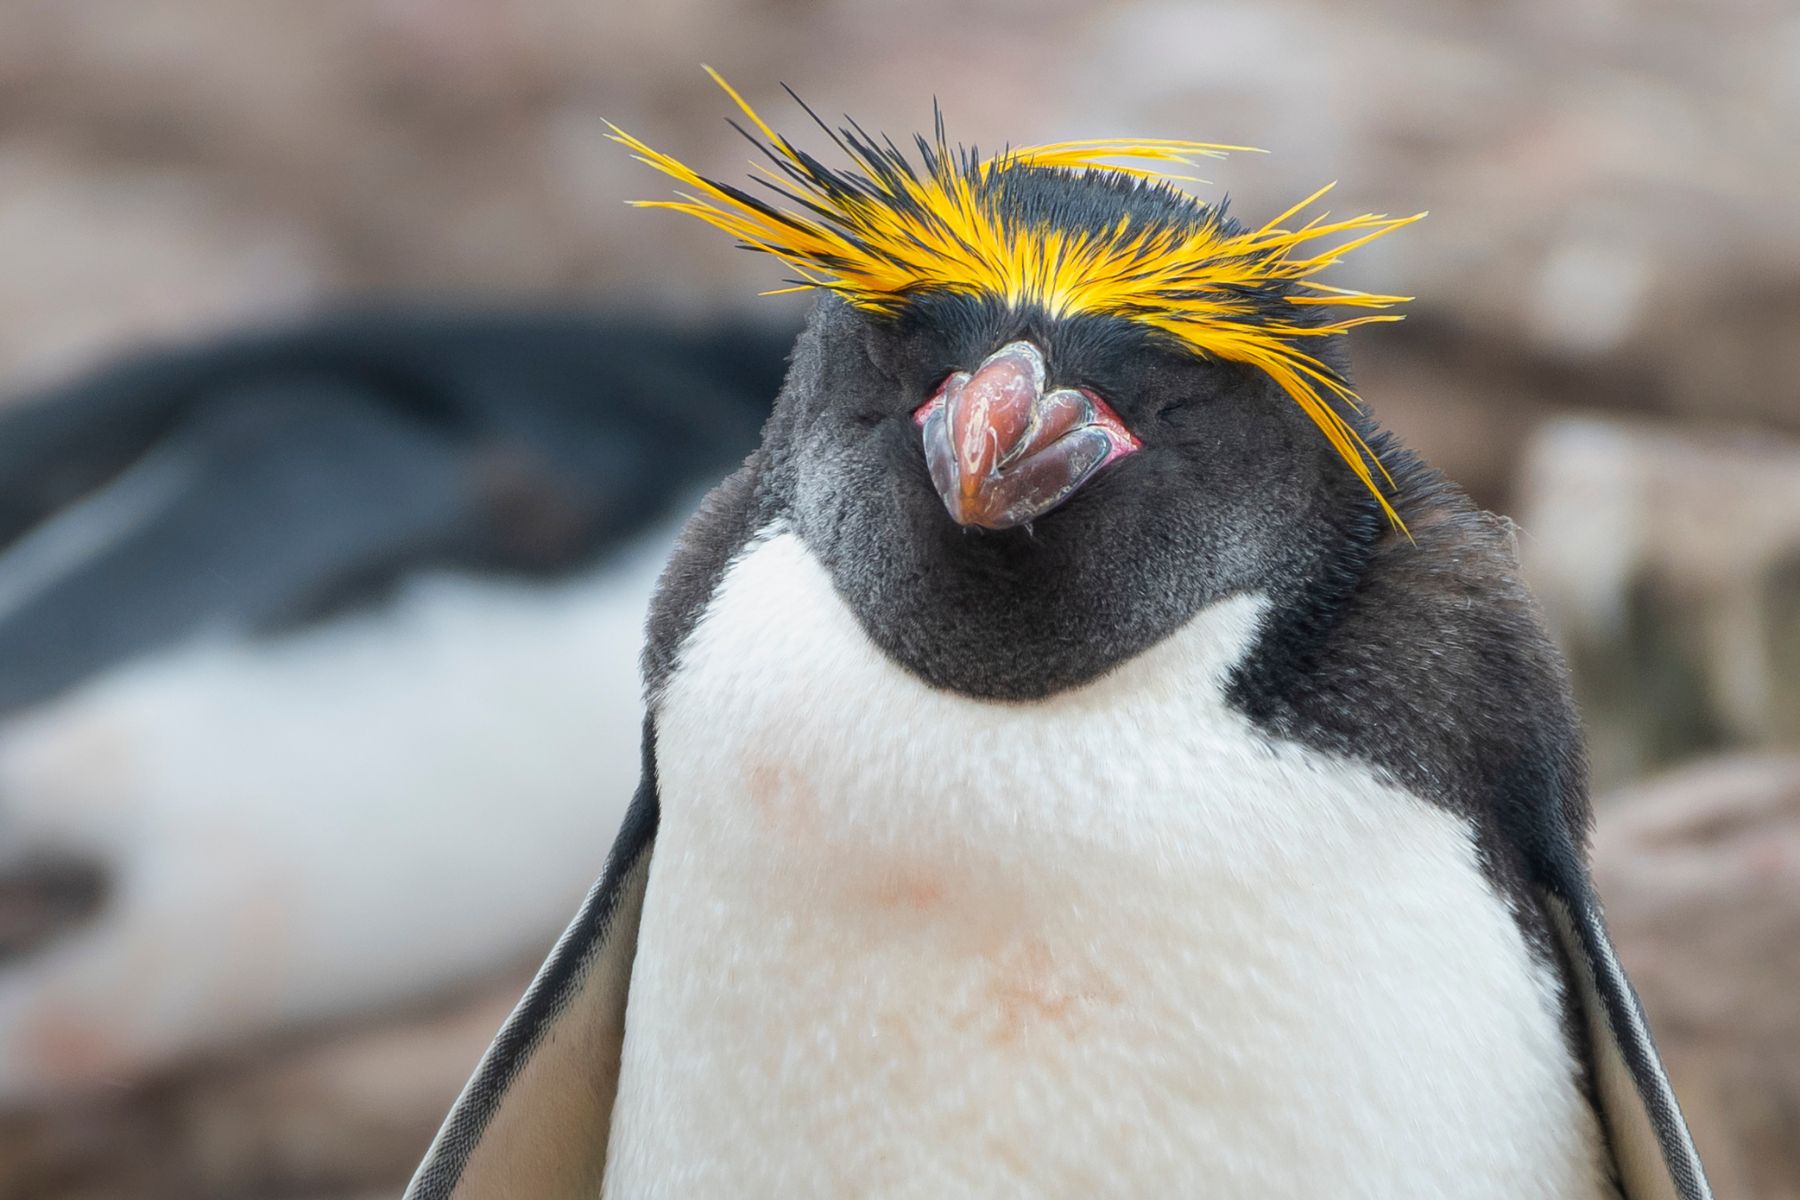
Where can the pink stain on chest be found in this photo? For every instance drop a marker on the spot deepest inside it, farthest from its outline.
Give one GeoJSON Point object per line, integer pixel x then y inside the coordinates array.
{"type": "Point", "coordinates": [912, 887]}
{"type": "Point", "coordinates": [1030, 992]}
{"type": "Point", "coordinates": [785, 799]}
{"type": "Point", "coordinates": [1023, 987]}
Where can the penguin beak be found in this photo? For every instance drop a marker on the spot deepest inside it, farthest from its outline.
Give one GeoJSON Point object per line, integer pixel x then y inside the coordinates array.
{"type": "Point", "coordinates": [1003, 452]}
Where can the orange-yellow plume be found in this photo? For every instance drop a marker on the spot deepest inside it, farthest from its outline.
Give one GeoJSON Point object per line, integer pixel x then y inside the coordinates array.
{"type": "Point", "coordinates": [887, 230]}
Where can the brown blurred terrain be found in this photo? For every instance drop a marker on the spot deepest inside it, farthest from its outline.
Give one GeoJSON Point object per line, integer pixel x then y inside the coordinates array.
{"type": "Point", "coordinates": [1606, 345]}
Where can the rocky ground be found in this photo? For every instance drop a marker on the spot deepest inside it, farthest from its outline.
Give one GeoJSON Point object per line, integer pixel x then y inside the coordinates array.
{"type": "Point", "coordinates": [1604, 346]}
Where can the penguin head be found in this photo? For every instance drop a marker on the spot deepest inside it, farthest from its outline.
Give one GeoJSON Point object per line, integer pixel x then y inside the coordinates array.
{"type": "Point", "coordinates": [1120, 486]}
{"type": "Point", "coordinates": [1046, 410]}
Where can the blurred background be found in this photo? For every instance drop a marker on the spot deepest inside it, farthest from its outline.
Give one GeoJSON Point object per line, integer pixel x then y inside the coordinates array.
{"type": "Point", "coordinates": [315, 722]}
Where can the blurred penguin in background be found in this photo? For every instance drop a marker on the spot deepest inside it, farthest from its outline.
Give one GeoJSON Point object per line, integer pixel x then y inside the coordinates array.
{"type": "Point", "coordinates": [318, 662]}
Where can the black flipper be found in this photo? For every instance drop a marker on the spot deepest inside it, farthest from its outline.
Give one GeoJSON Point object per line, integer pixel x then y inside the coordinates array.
{"type": "Point", "coordinates": [533, 1121]}
{"type": "Point", "coordinates": [1427, 656]}
{"type": "Point", "coordinates": [1652, 1149]}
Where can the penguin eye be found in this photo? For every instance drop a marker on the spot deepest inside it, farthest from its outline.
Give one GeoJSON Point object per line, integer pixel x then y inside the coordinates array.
{"type": "Point", "coordinates": [934, 391]}
{"type": "Point", "coordinates": [934, 397]}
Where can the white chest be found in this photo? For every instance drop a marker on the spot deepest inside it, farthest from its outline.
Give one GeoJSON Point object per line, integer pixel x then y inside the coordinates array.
{"type": "Point", "coordinates": [898, 942]}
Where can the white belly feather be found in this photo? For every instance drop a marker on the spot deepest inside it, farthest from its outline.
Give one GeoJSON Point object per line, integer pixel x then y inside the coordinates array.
{"type": "Point", "coordinates": [898, 942]}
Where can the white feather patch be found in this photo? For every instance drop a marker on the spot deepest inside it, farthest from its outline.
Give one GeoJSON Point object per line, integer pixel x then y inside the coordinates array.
{"type": "Point", "coordinates": [897, 942]}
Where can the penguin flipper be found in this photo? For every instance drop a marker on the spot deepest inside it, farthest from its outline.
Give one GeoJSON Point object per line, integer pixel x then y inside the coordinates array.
{"type": "Point", "coordinates": [1652, 1149]}
{"type": "Point", "coordinates": [534, 1119]}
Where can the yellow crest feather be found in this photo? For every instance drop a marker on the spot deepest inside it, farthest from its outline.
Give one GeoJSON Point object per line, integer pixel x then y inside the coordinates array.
{"type": "Point", "coordinates": [886, 231]}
